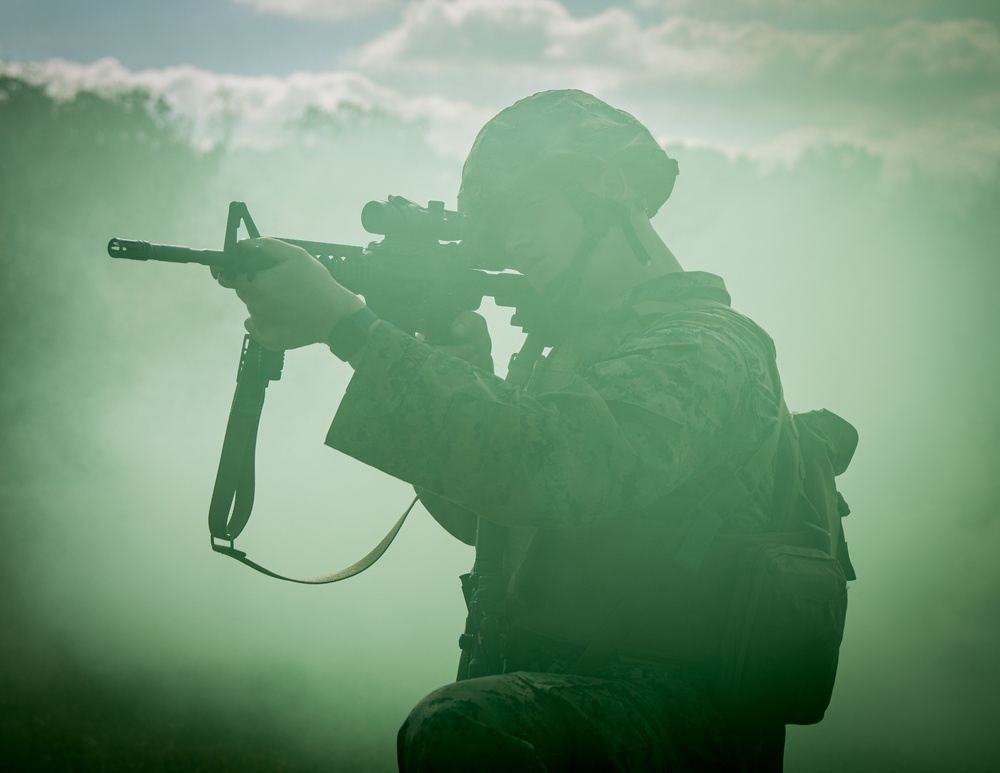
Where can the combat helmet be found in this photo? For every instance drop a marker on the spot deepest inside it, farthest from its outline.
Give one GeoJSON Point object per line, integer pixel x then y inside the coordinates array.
{"type": "Point", "coordinates": [556, 123]}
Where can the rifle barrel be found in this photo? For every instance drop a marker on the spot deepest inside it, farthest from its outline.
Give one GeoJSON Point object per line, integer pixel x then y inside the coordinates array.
{"type": "Point", "coordinates": [137, 250]}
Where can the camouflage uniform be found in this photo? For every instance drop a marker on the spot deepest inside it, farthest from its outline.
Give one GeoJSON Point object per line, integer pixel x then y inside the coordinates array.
{"type": "Point", "coordinates": [623, 429]}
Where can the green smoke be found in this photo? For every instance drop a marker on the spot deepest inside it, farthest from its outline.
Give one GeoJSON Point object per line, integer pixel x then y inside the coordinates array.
{"type": "Point", "coordinates": [130, 644]}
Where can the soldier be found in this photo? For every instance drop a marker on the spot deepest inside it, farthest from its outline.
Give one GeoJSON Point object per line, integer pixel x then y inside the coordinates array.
{"type": "Point", "coordinates": [612, 471]}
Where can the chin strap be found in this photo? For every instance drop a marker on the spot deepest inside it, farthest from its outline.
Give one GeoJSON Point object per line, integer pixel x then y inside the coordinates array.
{"type": "Point", "coordinates": [601, 215]}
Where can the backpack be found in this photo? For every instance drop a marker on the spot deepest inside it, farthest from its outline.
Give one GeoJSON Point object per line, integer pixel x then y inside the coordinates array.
{"type": "Point", "coordinates": [763, 614]}
{"type": "Point", "coordinates": [789, 604]}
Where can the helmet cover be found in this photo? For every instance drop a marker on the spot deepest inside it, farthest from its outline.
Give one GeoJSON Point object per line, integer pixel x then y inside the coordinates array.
{"type": "Point", "coordinates": [559, 123]}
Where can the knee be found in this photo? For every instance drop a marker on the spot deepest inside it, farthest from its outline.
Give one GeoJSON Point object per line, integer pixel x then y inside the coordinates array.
{"type": "Point", "coordinates": [445, 713]}
{"type": "Point", "coordinates": [455, 728]}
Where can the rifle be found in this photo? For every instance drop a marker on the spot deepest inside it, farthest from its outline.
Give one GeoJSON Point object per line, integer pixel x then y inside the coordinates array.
{"type": "Point", "coordinates": [418, 277]}
{"type": "Point", "coordinates": [409, 278]}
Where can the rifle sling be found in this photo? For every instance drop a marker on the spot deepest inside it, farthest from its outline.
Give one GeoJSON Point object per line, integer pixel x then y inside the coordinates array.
{"type": "Point", "coordinates": [356, 568]}
{"type": "Point", "coordinates": [233, 494]}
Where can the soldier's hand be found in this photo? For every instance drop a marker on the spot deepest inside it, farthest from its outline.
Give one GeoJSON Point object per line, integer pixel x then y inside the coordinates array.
{"type": "Point", "coordinates": [470, 340]}
{"type": "Point", "coordinates": [293, 303]}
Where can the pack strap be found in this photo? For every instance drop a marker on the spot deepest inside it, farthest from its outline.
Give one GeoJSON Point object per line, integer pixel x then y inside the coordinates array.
{"type": "Point", "coordinates": [706, 521]}
{"type": "Point", "coordinates": [482, 643]}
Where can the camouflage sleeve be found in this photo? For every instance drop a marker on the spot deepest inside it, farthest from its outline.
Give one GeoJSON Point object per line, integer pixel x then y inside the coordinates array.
{"type": "Point", "coordinates": [460, 523]}
{"type": "Point", "coordinates": [614, 439]}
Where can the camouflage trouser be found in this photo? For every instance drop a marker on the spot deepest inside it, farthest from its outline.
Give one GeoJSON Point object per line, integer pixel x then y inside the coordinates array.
{"type": "Point", "coordinates": [550, 722]}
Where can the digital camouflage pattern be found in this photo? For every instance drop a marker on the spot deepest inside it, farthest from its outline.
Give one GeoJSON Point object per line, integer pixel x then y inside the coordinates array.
{"type": "Point", "coordinates": [556, 722]}
{"type": "Point", "coordinates": [537, 128]}
{"type": "Point", "coordinates": [595, 467]}
{"type": "Point", "coordinates": [640, 409]}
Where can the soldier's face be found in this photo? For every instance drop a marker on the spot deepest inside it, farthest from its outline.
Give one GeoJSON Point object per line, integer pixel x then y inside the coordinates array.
{"type": "Point", "coordinates": [540, 234]}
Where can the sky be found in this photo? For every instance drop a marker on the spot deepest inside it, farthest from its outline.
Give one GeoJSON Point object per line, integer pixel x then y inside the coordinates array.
{"type": "Point", "coordinates": [840, 168]}
{"type": "Point", "coordinates": [910, 80]}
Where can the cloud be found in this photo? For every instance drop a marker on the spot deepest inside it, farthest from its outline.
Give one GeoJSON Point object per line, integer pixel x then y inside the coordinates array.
{"type": "Point", "coordinates": [436, 35]}
{"type": "Point", "coordinates": [323, 10]}
{"type": "Point", "coordinates": [918, 95]}
{"type": "Point", "coordinates": [730, 8]}
{"type": "Point", "coordinates": [259, 111]}
{"type": "Point", "coordinates": [820, 14]}
{"type": "Point", "coordinates": [908, 52]}
{"type": "Point", "coordinates": [518, 37]}
{"type": "Point", "coordinates": [739, 83]}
